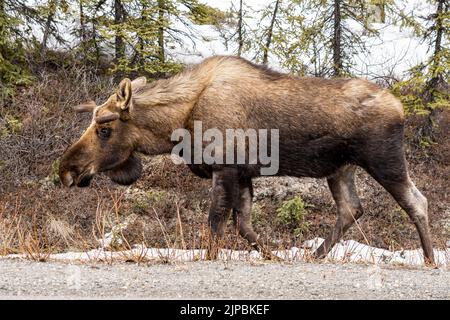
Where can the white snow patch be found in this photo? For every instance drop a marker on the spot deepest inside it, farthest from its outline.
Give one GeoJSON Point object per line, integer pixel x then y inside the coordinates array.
{"type": "Point", "coordinates": [344, 251]}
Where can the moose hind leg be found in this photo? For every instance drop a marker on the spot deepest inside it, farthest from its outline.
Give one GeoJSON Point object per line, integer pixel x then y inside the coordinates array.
{"type": "Point", "coordinates": [388, 167]}
{"type": "Point", "coordinates": [349, 209]}
{"type": "Point", "coordinates": [416, 206]}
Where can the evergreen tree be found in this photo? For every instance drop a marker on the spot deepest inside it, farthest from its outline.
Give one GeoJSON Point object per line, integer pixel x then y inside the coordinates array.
{"type": "Point", "coordinates": [143, 30]}
{"type": "Point", "coordinates": [314, 36]}
{"type": "Point", "coordinates": [49, 12]}
{"type": "Point", "coordinates": [13, 38]}
{"type": "Point", "coordinates": [438, 36]}
{"type": "Point", "coordinates": [427, 91]}
{"type": "Point", "coordinates": [233, 28]}
{"type": "Point", "coordinates": [270, 32]}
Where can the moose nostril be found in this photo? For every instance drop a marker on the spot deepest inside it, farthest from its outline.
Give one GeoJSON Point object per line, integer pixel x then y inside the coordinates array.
{"type": "Point", "coordinates": [67, 179]}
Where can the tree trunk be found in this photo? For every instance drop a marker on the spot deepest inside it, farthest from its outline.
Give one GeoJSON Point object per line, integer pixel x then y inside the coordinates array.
{"type": "Point", "coordinates": [48, 24]}
{"type": "Point", "coordinates": [270, 33]}
{"type": "Point", "coordinates": [337, 54]}
{"type": "Point", "coordinates": [138, 58]}
{"type": "Point", "coordinates": [2, 26]}
{"type": "Point", "coordinates": [240, 31]}
{"type": "Point", "coordinates": [96, 46]}
{"type": "Point", "coordinates": [437, 81]}
{"type": "Point", "coordinates": [82, 32]}
{"type": "Point", "coordinates": [437, 78]}
{"type": "Point", "coordinates": [119, 45]}
{"type": "Point", "coordinates": [382, 6]}
{"type": "Point", "coordinates": [82, 23]}
{"type": "Point", "coordinates": [161, 22]}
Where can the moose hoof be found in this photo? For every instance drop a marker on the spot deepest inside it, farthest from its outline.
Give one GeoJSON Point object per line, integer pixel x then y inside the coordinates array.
{"type": "Point", "coordinates": [272, 257]}
{"type": "Point", "coordinates": [318, 255]}
{"type": "Point", "coordinates": [269, 256]}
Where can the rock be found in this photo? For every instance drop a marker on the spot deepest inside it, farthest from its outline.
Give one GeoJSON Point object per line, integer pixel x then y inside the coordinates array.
{"type": "Point", "coordinates": [281, 188]}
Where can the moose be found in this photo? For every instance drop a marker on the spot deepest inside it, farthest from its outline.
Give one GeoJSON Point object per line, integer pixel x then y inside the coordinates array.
{"type": "Point", "coordinates": [327, 128]}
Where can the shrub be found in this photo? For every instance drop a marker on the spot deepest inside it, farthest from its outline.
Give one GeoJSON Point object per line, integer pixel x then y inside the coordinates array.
{"type": "Point", "coordinates": [292, 214]}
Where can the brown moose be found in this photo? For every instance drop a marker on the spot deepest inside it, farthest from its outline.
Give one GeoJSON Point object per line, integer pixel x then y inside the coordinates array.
{"type": "Point", "coordinates": [327, 127]}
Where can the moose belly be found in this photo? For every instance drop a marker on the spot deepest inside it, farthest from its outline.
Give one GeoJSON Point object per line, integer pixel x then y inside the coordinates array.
{"type": "Point", "coordinates": [316, 158]}
{"type": "Point", "coordinates": [299, 157]}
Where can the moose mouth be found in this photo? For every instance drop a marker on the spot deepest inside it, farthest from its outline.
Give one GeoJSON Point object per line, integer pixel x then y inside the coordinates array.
{"type": "Point", "coordinates": [125, 173]}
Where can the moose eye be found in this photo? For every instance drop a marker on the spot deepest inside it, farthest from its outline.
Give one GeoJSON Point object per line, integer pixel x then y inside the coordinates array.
{"type": "Point", "coordinates": [104, 133]}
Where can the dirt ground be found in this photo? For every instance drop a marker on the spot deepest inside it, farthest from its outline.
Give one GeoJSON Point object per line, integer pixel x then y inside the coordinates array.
{"type": "Point", "coordinates": [23, 279]}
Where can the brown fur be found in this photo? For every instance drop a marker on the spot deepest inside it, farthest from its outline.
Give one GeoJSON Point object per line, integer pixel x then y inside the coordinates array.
{"type": "Point", "coordinates": [327, 126]}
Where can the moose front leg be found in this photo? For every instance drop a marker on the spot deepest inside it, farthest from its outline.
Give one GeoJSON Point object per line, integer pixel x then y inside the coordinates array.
{"type": "Point", "coordinates": [242, 215]}
{"type": "Point", "coordinates": [243, 211]}
{"type": "Point", "coordinates": [224, 196]}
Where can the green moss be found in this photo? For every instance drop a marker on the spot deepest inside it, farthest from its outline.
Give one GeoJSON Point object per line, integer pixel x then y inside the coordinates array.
{"type": "Point", "coordinates": [12, 126]}
{"type": "Point", "coordinates": [54, 173]}
{"type": "Point", "coordinates": [143, 202]}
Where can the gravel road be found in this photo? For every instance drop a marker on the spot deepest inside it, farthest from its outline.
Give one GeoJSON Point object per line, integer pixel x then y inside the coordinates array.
{"type": "Point", "coordinates": [22, 279]}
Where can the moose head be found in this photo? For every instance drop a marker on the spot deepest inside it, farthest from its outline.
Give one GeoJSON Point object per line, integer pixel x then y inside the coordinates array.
{"type": "Point", "coordinates": [109, 143]}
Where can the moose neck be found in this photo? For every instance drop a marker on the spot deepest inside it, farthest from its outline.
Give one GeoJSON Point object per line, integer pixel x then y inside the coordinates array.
{"type": "Point", "coordinates": [156, 124]}
{"type": "Point", "coordinates": [184, 87]}
{"type": "Point", "coordinates": [165, 105]}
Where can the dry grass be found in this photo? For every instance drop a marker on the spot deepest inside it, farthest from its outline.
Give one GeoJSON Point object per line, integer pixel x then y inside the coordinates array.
{"type": "Point", "coordinates": [23, 233]}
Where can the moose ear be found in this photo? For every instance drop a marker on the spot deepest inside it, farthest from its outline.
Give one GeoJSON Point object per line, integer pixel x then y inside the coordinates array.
{"type": "Point", "coordinates": [124, 94]}
{"type": "Point", "coordinates": [138, 82]}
